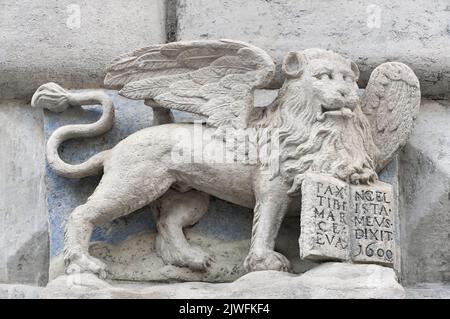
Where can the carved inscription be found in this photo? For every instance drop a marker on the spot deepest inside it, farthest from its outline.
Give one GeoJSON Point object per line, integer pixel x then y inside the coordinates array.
{"type": "Point", "coordinates": [324, 219]}
{"type": "Point", "coordinates": [347, 222]}
{"type": "Point", "coordinates": [372, 219]}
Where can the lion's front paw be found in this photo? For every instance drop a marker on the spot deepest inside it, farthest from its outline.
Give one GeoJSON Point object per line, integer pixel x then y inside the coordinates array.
{"type": "Point", "coordinates": [84, 264]}
{"type": "Point", "coordinates": [357, 175]}
{"type": "Point", "coordinates": [266, 260]}
{"type": "Point", "coordinates": [364, 176]}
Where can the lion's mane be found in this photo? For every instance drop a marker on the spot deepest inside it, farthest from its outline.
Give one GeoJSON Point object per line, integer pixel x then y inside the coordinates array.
{"type": "Point", "coordinates": [334, 147]}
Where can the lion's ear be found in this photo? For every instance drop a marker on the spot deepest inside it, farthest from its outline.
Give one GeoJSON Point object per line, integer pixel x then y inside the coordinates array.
{"type": "Point", "coordinates": [293, 65]}
{"type": "Point", "coordinates": [355, 70]}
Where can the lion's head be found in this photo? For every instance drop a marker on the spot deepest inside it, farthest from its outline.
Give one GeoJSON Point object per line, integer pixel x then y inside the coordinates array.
{"type": "Point", "coordinates": [326, 79]}
{"type": "Point", "coordinates": [319, 119]}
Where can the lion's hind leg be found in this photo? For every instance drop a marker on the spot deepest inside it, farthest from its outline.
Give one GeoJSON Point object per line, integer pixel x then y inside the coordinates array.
{"type": "Point", "coordinates": [112, 199]}
{"type": "Point", "coordinates": [173, 212]}
{"type": "Point", "coordinates": [76, 241]}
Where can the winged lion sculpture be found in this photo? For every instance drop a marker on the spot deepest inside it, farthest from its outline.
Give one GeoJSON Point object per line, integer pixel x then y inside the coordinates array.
{"type": "Point", "coordinates": [318, 121]}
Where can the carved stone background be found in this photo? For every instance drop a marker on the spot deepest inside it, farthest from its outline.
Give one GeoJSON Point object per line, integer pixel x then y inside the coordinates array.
{"type": "Point", "coordinates": [37, 46]}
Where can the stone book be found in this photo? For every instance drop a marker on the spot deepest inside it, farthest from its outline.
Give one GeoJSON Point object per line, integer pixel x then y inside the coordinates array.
{"type": "Point", "coordinates": [340, 221]}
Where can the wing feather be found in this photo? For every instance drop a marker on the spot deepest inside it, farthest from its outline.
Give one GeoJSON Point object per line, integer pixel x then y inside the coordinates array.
{"type": "Point", "coordinates": [391, 103]}
{"type": "Point", "coordinates": [212, 78]}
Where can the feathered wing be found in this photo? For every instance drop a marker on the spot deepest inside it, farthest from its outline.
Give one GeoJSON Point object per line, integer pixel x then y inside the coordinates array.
{"type": "Point", "coordinates": [216, 78]}
{"type": "Point", "coordinates": [391, 103]}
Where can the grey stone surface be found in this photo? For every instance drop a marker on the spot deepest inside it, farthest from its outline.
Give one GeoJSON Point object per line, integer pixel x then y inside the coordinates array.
{"type": "Point", "coordinates": [374, 226]}
{"type": "Point", "coordinates": [425, 197]}
{"type": "Point", "coordinates": [413, 32]}
{"type": "Point", "coordinates": [331, 280]}
{"type": "Point", "coordinates": [428, 291]}
{"type": "Point", "coordinates": [135, 258]}
{"type": "Point", "coordinates": [9, 291]}
{"type": "Point", "coordinates": [325, 216]}
{"type": "Point", "coordinates": [23, 216]}
{"type": "Point", "coordinates": [390, 175]}
{"type": "Point", "coordinates": [42, 40]}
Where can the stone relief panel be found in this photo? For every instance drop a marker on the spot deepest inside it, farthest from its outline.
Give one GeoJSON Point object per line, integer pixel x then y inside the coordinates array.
{"type": "Point", "coordinates": [317, 124]}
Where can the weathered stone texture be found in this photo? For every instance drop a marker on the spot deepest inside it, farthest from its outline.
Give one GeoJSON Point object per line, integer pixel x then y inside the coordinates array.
{"type": "Point", "coordinates": [325, 219]}
{"type": "Point", "coordinates": [412, 32]}
{"type": "Point", "coordinates": [330, 280]}
{"type": "Point", "coordinates": [23, 215]}
{"type": "Point", "coordinates": [375, 223]}
{"type": "Point", "coordinates": [42, 40]}
{"type": "Point", "coordinates": [428, 291]}
{"type": "Point", "coordinates": [340, 221]}
{"type": "Point", "coordinates": [425, 197]}
{"type": "Point", "coordinates": [19, 292]}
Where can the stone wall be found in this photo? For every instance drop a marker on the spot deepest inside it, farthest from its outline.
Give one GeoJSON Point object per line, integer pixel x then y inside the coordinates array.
{"type": "Point", "coordinates": [69, 41]}
{"type": "Point", "coordinates": [23, 214]}
{"type": "Point", "coordinates": [45, 41]}
{"type": "Point", "coordinates": [413, 32]}
{"type": "Point", "coordinates": [425, 196]}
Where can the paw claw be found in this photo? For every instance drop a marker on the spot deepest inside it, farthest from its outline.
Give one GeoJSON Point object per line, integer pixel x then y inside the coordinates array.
{"type": "Point", "coordinates": [364, 176]}
{"type": "Point", "coordinates": [267, 260]}
{"type": "Point", "coordinates": [87, 264]}
{"type": "Point", "coordinates": [193, 258]}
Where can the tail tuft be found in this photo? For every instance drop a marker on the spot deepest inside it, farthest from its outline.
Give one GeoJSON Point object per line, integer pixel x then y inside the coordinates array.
{"type": "Point", "coordinates": [52, 97]}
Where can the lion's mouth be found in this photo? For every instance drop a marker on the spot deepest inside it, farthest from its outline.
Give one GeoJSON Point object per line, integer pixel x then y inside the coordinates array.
{"type": "Point", "coordinates": [342, 112]}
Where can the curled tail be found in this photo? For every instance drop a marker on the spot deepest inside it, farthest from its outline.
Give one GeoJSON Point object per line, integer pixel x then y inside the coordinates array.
{"type": "Point", "coordinates": [52, 97]}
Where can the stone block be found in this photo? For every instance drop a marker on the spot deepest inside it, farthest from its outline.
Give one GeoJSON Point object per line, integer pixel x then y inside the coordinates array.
{"type": "Point", "coordinates": [327, 281]}
{"type": "Point", "coordinates": [19, 292]}
{"type": "Point", "coordinates": [425, 197]}
{"type": "Point", "coordinates": [413, 32]}
{"type": "Point", "coordinates": [23, 216]}
{"type": "Point", "coordinates": [347, 222]}
{"type": "Point", "coordinates": [325, 231]}
{"type": "Point", "coordinates": [428, 291]}
{"type": "Point", "coordinates": [374, 224]}
{"type": "Point", "coordinates": [71, 42]}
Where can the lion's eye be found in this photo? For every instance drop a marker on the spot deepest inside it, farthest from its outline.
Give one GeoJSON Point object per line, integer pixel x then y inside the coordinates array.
{"type": "Point", "coordinates": [324, 76]}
